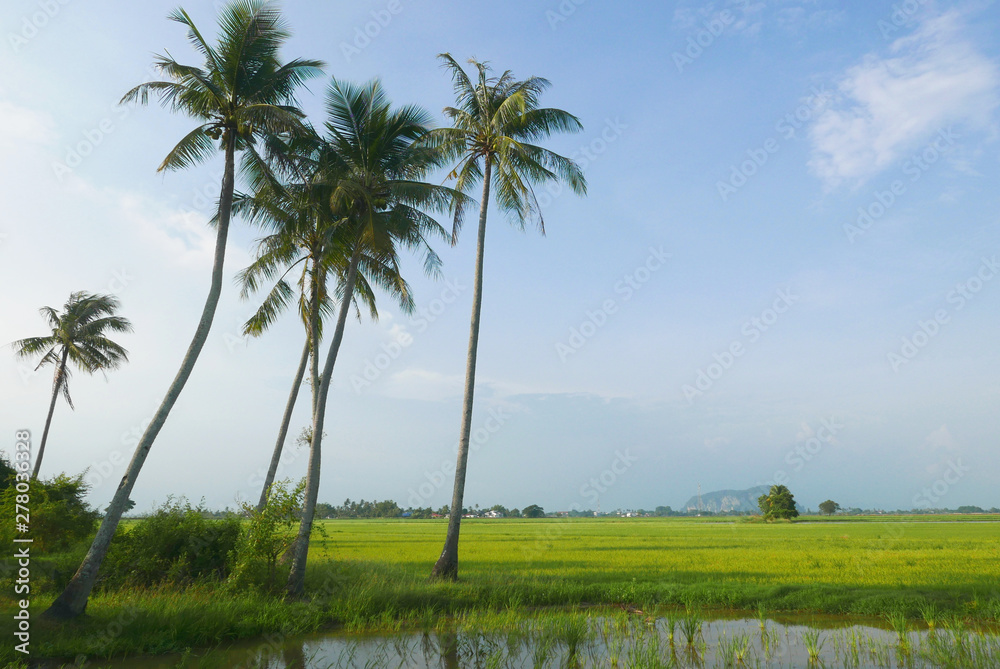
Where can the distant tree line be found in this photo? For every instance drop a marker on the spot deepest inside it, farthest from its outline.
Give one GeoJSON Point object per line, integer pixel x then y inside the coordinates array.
{"type": "Point", "coordinates": [390, 509]}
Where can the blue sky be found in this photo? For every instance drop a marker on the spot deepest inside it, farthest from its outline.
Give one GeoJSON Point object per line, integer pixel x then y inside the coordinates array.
{"type": "Point", "coordinates": [786, 267]}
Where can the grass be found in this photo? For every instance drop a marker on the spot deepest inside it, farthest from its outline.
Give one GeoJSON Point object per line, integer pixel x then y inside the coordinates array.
{"type": "Point", "coordinates": [813, 640]}
{"type": "Point", "coordinates": [372, 575]}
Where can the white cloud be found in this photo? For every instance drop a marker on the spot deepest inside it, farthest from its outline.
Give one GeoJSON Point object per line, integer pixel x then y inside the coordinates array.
{"type": "Point", "coordinates": [422, 384]}
{"type": "Point", "coordinates": [177, 236]}
{"type": "Point", "coordinates": [713, 443]}
{"type": "Point", "coordinates": [184, 236]}
{"type": "Point", "coordinates": [888, 105]}
{"type": "Point", "coordinates": [20, 125]}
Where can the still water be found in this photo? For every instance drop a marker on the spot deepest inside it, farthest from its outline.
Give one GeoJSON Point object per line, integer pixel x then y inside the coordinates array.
{"type": "Point", "coordinates": [601, 640]}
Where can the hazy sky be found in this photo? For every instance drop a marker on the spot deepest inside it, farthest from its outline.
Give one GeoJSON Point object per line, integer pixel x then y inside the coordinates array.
{"type": "Point", "coordinates": [786, 268]}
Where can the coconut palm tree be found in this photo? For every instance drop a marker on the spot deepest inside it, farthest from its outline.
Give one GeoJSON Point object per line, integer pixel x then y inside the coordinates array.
{"type": "Point", "coordinates": [493, 123]}
{"type": "Point", "coordinates": [78, 337]}
{"type": "Point", "coordinates": [306, 233]}
{"type": "Point", "coordinates": [241, 93]}
{"type": "Point", "coordinates": [302, 227]}
{"type": "Point", "coordinates": [376, 177]}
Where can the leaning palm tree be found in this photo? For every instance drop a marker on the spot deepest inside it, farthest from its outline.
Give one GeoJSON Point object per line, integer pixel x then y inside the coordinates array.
{"type": "Point", "coordinates": [242, 92]}
{"type": "Point", "coordinates": [301, 236]}
{"type": "Point", "coordinates": [494, 121]}
{"type": "Point", "coordinates": [375, 172]}
{"type": "Point", "coordinates": [305, 234]}
{"type": "Point", "coordinates": [78, 337]}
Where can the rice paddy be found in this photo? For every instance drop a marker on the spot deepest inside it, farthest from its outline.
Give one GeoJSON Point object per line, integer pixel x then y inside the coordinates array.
{"type": "Point", "coordinates": [825, 567]}
{"type": "Point", "coordinates": [926, 587]}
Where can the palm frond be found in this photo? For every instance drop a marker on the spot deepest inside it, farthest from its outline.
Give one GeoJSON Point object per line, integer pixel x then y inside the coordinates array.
{"type": "Point", "coordinates": [196, 147]}
{"type": "Point", "coordinates": [277, 300]}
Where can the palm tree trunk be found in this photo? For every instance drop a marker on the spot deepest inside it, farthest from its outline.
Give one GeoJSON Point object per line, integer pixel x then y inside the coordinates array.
{"type": "Point", "coordinates": [283, 431]}
{"type": "Point", "coordinates": [296, 577]}
{"type": "Point", "coordinates": [447, 565]}
{"type": "Point", "coordinates": [73, 600]}
{"type": "Point", "coordinates": [60, 379]}
{"type": "Point", "coordinates": [318, 279]}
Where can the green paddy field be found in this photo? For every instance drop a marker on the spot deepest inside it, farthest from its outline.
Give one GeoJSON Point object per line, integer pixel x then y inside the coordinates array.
{"type": "Point", "coordinates": [858, 566]}
{"type": "Point", "coordinates": [372, 576]}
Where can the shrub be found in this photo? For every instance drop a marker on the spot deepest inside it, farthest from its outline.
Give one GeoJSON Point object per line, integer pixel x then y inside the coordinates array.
{"type": "Point", "coordinates": [58, 516]}
{"type": "Point", "coordinates": [177, 544]}
{"type": "Point", "coordinates": [265, 537]}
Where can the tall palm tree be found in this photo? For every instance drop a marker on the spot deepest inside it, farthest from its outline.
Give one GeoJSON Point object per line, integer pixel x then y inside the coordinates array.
{"type": "Point", "coordinates": [300, 221]}
{"type": "Point", "coordinates": [377, 172]}
{"type": "Point", "coordinates": [242, 92]}
{"type": "Point", "coordinates": [306, 232]}
{"type": "Point", "coordinates": [493, 123]}
{"type": "Point", "coordinates": [78, 337]}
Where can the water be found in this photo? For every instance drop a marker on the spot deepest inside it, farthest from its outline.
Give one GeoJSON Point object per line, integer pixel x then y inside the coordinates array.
{"type": "Point", "coordinates": [603, 640]}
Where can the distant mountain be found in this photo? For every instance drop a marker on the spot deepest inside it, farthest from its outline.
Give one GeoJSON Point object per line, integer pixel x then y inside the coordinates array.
{"type": "Point", "coordinates": [721, 501]}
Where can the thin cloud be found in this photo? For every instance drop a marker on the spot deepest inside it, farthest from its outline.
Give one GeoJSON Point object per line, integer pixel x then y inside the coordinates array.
{"type": "Point", "coordinates": [888, 105]}
{"type": "Point", "coordinates": [23, 126]}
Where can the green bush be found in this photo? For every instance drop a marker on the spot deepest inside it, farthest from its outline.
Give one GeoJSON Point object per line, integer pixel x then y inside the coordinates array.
{"type": "Point", "coordinates": [265, 537]}
{"type": "Point", "coordinates": [58, 516]}
{"type": "Point", "coordinates": [177, 544]}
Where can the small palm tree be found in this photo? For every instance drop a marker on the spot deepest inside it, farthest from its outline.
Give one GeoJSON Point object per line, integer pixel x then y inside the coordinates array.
{"type": "Point", "coordinates": [375, 170]}
{"type": "Point", "coordinates": [242, 94]}
{"type": "Point", "coordinates": [495, 120]}
{"type": "Point", "coordinates": [78, 337]}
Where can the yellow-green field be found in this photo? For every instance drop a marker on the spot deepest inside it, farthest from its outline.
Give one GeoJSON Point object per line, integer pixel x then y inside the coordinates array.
{"type": "Point", "coordinates": [722, 563]}
{"type": "Point", "coordinates": [366, 575]}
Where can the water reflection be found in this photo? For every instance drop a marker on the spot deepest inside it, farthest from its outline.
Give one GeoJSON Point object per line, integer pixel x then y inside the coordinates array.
{"type": "Point", "coordinates": [585, 641]}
